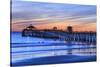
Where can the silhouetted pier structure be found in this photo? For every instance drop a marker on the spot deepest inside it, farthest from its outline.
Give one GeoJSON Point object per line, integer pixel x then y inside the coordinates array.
{"type": "Point", "coordinates": [69, 35]}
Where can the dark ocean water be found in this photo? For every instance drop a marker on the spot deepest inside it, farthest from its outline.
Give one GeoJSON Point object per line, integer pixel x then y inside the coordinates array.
{"type": "Point", "coordinates": [34, 51]}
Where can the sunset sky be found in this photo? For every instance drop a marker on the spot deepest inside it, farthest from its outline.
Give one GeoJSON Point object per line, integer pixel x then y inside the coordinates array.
{"type": "Point", "coordinates": [48, 15]}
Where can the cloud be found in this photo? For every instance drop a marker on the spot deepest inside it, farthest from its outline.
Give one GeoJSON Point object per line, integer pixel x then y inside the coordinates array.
{"type": "Point", "coordinates": [37, 13]}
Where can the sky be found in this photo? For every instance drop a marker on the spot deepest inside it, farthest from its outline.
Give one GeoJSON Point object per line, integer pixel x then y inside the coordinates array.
{"type": "Point", "coordinates": [47, 15]}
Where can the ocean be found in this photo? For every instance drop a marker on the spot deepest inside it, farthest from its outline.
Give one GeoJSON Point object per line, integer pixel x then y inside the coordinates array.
{"type": "Point", "coordinates": [36, 51]}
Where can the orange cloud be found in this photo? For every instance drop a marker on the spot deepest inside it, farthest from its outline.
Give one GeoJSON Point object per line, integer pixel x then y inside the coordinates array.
{"type": "Point", "coordinates": [77, 26]}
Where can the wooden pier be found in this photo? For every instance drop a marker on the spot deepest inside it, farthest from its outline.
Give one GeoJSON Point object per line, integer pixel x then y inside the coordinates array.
{"type": "Point", "coordinates": [69, 35]}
